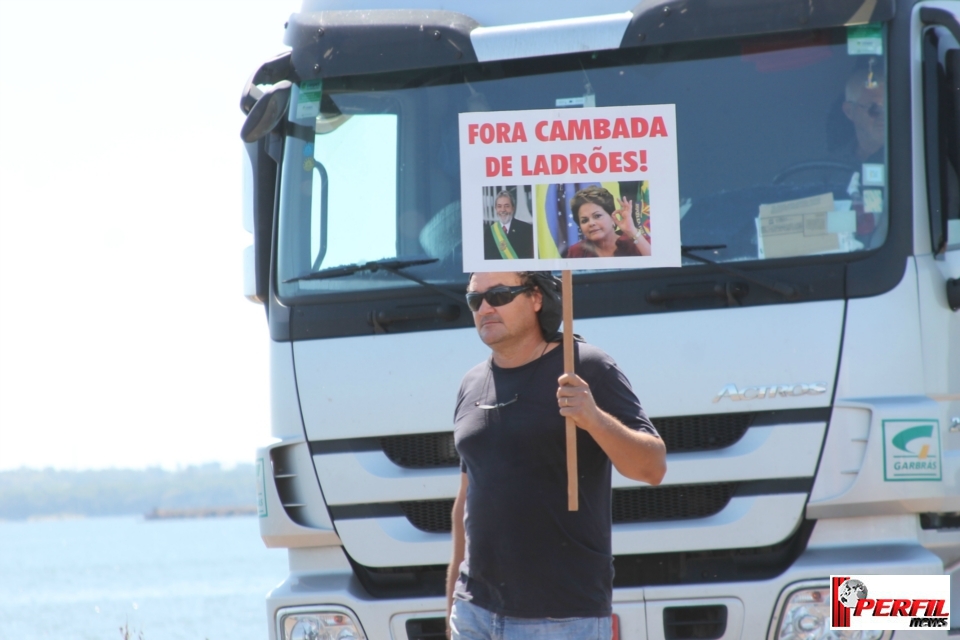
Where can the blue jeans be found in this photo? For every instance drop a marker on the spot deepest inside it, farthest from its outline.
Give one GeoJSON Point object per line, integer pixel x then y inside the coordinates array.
{"type": "Point", "coordinates": [470, 622]}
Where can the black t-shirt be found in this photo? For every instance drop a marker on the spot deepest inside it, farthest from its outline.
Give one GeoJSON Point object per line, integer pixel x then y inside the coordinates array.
{"type": "Point", "coordinates": [526, 555]}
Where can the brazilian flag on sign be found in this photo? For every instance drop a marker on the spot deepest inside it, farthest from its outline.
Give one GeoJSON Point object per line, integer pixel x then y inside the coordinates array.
{"type": "Point", "coordinates": [641, 209]}
{"type": "Point", "coordinates": [503, 243]}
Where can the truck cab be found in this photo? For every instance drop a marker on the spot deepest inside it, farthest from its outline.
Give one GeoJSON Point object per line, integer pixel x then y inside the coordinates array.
{"type": "Point", "coordinates": [805, 377]}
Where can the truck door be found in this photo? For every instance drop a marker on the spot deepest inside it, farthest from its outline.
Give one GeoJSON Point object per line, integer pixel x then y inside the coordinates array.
{"type": "Point", "coordinates": [937, 98]}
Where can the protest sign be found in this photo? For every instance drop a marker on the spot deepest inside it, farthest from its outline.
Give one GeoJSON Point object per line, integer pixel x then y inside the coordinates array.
{"type": "Point", "coordinates": [563, 189]}
{"type": "Point", "coordinates": [521, 173]}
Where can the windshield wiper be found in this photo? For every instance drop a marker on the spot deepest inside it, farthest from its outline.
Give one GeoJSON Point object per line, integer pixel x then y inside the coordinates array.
{"type": "Point", "coordinates": [787, 291]}
{"type": "Point", "coordinates": [387, 264]}
{"type": "Point", "coordinates": [391, 265]}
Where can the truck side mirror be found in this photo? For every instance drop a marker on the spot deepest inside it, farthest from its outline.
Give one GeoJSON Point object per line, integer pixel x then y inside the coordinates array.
{"type": "Point", "coordinates": [941, 125]}
{"type": "Point", "coordinates": [260, 196]}
{"type": "Point", "coordinates": [267, 112]}
{"type": "Point", "coordinates": [951, 172]}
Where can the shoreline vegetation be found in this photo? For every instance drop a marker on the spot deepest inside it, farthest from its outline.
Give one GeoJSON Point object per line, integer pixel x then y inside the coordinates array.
{"type": "Point", "coordinates": [209, 512]}
{"type": "Point", "coordinates": [204, 491]}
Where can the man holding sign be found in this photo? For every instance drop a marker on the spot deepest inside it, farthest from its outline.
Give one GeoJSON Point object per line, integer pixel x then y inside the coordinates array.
{"type": "Point", "coordinates": [524, 565]}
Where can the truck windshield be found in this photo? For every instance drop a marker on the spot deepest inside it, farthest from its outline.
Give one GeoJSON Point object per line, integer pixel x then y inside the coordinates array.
{"type": "Point", "coordinates": [371, 163]}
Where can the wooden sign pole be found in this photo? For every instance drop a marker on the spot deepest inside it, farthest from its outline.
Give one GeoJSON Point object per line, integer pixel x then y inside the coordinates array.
{"type": "Point", "coordinates": [573, 490]}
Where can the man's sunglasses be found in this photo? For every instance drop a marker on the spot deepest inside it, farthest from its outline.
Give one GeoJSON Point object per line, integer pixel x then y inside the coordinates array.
{"type": "Point", "coordinates": [495, 297]}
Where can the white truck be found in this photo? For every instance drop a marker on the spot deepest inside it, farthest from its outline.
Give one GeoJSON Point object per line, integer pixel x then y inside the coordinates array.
{"type": "Point", "coordinates": [807, 386]}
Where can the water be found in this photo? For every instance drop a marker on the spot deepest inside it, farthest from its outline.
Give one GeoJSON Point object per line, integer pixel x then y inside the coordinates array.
{"type": "Point", "coordinates": [165, 579]}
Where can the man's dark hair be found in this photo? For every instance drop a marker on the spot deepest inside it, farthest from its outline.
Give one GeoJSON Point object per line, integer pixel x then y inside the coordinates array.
{"type": "Point", "coordinates": [594, 195]}
{"type": "Point", "coordinates": [551, 309]}
{"type": "Point", "coordinates": [527, 280]}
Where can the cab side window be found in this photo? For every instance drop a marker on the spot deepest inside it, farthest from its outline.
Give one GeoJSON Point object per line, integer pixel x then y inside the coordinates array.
{"type": "Point", "coordinates": [941, 95]}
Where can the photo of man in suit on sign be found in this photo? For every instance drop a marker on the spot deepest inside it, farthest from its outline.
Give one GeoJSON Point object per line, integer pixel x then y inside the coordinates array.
{"type": "Point", "coordinates": [506, 238]}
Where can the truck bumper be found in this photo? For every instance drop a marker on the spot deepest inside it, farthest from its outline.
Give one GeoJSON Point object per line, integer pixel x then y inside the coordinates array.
{"type": "Point", "coordinates": [328, 580]}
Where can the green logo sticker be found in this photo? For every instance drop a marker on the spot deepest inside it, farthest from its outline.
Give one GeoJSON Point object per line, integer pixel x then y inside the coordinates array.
{"type": "Point", "coordinates": [911, 450]}
{"type": "Point", "coordinates": [261, 490]}
{"type": "Point", "coordinates": [308, 101]}
{"type": "Point", "coordinates": [865, 40]}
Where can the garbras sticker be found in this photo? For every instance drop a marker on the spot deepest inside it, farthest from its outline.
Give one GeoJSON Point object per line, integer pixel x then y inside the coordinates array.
{"type": "Point", "coordinates": [911, 450]}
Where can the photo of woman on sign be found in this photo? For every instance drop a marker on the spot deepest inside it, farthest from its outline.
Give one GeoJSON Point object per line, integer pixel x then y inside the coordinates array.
{"type": "Point", "coordinates": [598, 217]}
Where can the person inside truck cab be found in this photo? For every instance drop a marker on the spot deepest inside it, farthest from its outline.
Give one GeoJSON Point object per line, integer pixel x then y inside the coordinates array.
{"type": "Point", "coordinates": [865, 106]}
{"type": "Point", "coordinates": [857, 137]}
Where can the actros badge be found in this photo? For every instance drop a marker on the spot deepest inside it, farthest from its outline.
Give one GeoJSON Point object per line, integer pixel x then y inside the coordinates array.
{"type": "Point", "coordinates": [770, 391]}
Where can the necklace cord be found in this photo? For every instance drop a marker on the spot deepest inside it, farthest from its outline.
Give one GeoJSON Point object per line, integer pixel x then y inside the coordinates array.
{"type": "Point", "coordinates": [516, 397]}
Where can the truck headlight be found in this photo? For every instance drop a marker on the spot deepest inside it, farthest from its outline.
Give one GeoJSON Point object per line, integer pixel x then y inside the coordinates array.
{"type": "Point", "coordinates": [805, 615]}
{"type": "Point", "coordinates": [318, 623]}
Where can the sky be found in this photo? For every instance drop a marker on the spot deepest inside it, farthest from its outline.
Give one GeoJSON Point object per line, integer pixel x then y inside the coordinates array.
{"type": "Point", "coordinates": [125, 339]}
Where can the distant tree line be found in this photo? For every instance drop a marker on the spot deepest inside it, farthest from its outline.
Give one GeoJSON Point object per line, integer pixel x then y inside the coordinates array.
{"type": "Point", "coordinates": [28, 492]}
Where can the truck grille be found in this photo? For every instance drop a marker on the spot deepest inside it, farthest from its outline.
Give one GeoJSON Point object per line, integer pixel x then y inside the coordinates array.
{"type": "Point", "coordinates": [707, 622]}
{"type": "Point", "coordinates": [672, 502]}
{"type": "Point", "coordinates": [682, 567]}
{"type": "Point", "coordinates": [426, 629]}
{"type": "Point", "coordinates": [703, 433]}
{"type": "Point", "coordinates": [686, 433]}
{"type": "Point", "coordinates": [646, 504]}
{"type": "Point", "coordinates": [421, 450]}
{"type": "Point", "coordinates": [679, 623]}
{"type": "Point", "coordinates": [432, 516]}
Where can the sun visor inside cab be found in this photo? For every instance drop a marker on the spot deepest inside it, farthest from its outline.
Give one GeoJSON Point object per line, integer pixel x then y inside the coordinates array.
{"type": "Point", "coordinates": [330, 44]}
{"type": "Point", "coordinates": [658, 22]}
